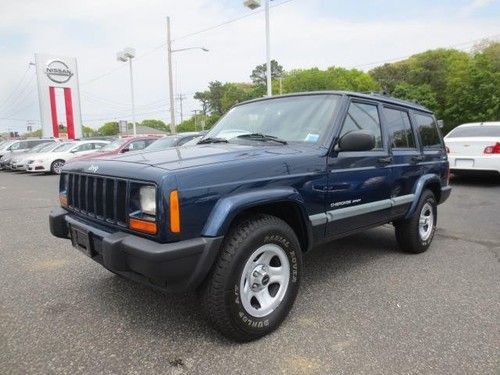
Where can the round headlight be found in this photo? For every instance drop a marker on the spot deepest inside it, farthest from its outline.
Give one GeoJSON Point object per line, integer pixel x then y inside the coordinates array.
{"type": "Point", "coordinates": [147, 196]}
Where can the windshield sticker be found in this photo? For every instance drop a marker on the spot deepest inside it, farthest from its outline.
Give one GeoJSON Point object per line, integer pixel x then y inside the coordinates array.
{"type": "Point", "coordinates": [312, 137]}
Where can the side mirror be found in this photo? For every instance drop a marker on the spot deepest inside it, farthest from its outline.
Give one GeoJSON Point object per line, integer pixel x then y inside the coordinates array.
{"type": "Point", "coordinates": [125, 150]}
{"type": "Point", "coordinates": [356, 141]}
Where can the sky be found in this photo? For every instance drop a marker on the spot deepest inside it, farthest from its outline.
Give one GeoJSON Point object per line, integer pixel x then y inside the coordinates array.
{"type": "Point", "coordinates": [304, 34]}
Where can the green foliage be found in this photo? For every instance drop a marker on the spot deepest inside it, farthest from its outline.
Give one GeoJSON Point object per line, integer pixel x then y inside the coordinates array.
{"type": "Point", "coordinates": [88, 131]}
{"type": "Point", "coordinates": [259, 74]}
{"type": "Point", "coordinates": [155, 124]}
{"type": "Point", "coordinates": [333, 78]}
{"type": "Point", "coordinates": [459, 87]}
{"type": "Point", "coordinates": [109, 128]}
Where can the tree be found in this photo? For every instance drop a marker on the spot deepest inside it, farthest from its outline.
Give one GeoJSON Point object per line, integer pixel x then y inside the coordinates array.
{"type": "Point", "coordinates": [421, 94]}
{"type": "Point", "coordinates": [88, 131]}
{"type": "Point", "coordinates": [109, 129]}
{"type": "Point", "coordinates": [259, 74]}
{"type": "Point", "coordinates": [334, 78]}
{"type": "Point", "coordinates": [155, 124]}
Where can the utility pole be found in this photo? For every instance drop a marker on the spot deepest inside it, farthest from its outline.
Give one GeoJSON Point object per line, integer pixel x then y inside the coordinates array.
{"type": "Point", "coordinates": [180, 98]}
{"type": "Point", "coordinates": [195, 111]}
{"type": "Point", "coordinates": [281, 85]}
{"type": "Point", "coordinates": [170, 79]}
{"type": "Point", "coordinates": [268, 51]}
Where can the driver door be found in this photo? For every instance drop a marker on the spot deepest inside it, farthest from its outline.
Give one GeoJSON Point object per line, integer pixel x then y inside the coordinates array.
{"type": "Point", "coordinates": [359, 181]}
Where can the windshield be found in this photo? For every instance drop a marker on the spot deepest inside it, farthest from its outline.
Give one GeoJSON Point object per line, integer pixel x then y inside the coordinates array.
{"type": "Point", "coordinates": [115, 145]}
{"type": "Point", "coordinates": [39, 147]}
{"type": "Point", "coordinates": [64, 147]}
{"type": "Point", "coordinates": [475, 131]}
{"type": "Point", "coordinates": [293, 119]}
{"type": "Point", "coordinates": [48, 147]}
{"type": "Point", "coordinates": [162, 143]}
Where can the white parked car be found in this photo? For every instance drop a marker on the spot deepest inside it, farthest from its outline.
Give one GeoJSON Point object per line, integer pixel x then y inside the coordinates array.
{"type": "Point", "coordinates": [52, 162]}
{"type": "Point", "coordinates": [20, 161]}
{"type": "Point", "coordinates": [473, 148]}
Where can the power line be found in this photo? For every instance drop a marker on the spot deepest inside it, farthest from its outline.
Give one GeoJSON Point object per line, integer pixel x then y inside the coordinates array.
{"type": "Point", "coordinates": [163, 44]}
{"type": "Point", "coordinates": [14, 91]}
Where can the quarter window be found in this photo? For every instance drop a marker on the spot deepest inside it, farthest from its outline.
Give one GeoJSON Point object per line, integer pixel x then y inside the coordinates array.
{"type": "Point", "coordinates": [399, 128]}
{"type": "Point", "coordinates": [428, 131]}
{"type": "Point", "coordinates": [363, 117]}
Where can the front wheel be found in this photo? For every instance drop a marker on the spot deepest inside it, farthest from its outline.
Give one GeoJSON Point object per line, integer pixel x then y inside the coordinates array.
{"type": "Point", "coordinates": [415, 234]}
{"type": "Point", "coordinates": [255, 279]}
{"type": "Point", "coordinates": [56, 166]}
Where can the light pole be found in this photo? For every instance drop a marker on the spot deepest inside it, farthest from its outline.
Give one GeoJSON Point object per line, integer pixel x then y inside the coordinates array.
{"type": "Point", "coordinates": [170, 51]}
{"type": "Point", "coordinates": [127, 54]}
{"type": "Point", "coordinates": [254, 4]}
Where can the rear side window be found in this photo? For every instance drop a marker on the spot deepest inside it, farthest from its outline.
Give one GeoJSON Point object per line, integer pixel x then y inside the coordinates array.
{"type": "Point", "coordinates": [475, 131]}
{"type": "Point", "coordinates": [399, 128]}
{"type": "Point", "coordinates": [363, 117]}
{"type": "Point", "coordinates": [428, 131]}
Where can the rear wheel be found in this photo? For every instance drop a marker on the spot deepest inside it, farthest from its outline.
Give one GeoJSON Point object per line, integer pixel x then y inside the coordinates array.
{"type": "Point", "coordinates": [415, 234]}
{"type": "Point", "coordinates": [255, 279]}
{"type": "Point", "coordinates": [56, 166]}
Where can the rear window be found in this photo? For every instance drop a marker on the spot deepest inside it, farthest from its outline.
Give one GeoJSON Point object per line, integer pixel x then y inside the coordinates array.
{"type": "Point", "coordinates": [428, 131]}
{"type": "Point", "coordinates": [475, 131]}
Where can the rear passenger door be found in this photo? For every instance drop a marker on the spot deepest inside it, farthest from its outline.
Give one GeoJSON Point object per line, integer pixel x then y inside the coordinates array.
{"type": "Point", "coordinates": [359, 181]}
{"type": "Point", "coordinates": [406, 155]}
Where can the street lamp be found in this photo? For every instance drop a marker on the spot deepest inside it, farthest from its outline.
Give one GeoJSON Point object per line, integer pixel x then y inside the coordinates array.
{"type": "Point", "coordinates": [170, 51]}
{"type": "Point", "coordinates": [127, 54]}
{"type": "Point", "coordinates": [254, 4]}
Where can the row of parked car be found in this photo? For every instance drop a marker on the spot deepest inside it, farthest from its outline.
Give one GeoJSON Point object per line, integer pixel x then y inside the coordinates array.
{"type": "Point", "coordinates": [50, 155]}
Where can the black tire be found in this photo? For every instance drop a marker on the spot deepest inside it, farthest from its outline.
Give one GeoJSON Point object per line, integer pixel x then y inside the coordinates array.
{"type": "Point", "coordinates": [408, 232]}
{"type": "Point", "coordinates": [54, 166]}
{"type": "Point", "coordinates": [221, 296]}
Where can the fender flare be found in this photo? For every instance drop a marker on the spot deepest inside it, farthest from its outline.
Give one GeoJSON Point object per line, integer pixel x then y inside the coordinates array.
{"type": "Point", "coordinates": [228, 207]}
{"type": "Point", "coordinates": [420, 186]}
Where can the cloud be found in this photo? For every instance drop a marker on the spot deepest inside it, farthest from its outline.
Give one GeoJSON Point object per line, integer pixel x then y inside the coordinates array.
{"type": "Point", "coordinates": [474, 6]}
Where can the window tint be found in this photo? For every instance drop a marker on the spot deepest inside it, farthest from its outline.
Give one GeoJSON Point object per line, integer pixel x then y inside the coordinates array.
{"type": "Point", "coordinates": [399, 128]}
{"type": "Point", "coordinates": [475, 131]}
{"type": "Point", "coordinates": [84, 147]}
{"type": "Point", "coordinates": [98, 146]}
{"type": "Point", "coordinates": [363, 117]}
{"type": "Point", "coordinates": [428, 131]}
{"type": "Point", "coordinates": [137, 145]}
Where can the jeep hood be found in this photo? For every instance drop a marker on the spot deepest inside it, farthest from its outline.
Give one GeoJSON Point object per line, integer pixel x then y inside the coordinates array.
{"type": "Point", "coordinates": [199, 155]}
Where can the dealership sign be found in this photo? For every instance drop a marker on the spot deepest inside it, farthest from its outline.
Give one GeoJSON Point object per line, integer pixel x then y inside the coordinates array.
{"type": "Point", "coordinates": [58, 71]}
{"type": "Point", "coordinates": [59, 96]}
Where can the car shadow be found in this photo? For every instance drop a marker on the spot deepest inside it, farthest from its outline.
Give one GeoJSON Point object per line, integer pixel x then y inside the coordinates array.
{"type": "Point", "coordinates": [179, 317]}
{"type": "Point", "coordinates": [476, 180]}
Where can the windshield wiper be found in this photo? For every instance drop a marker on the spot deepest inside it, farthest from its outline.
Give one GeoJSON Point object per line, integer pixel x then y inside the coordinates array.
{"type": "Point", "coordinates": [212, 140]}
{"type": "Point", "coordinates": [263, 138]}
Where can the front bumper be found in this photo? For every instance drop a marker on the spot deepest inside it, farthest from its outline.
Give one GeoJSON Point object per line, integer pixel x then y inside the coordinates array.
{"type": "Point", "coordinates": [174, 267]}
{"type": "Point", "coordinates": [36, 167]}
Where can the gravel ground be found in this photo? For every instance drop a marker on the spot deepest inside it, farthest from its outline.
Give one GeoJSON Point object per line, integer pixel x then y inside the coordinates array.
{"type": "Point", "coordinates": [364, 307]}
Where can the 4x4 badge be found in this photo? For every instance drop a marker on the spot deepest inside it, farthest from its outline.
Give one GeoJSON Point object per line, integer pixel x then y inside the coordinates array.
{"type": "Point", "coordinates": [93, 168]}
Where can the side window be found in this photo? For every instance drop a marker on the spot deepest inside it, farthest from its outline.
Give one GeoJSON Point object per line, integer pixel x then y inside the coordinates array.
{"type": "Point", "coordinates": [84, 147]}
{"type": "Point", "coordinates": [16, 146]}
{"type": "Point", "coordinates": [428, 131]}
{"type": "Point", "coordinates": [137, 145]}
{"type": "Point", "coordinates": [97, 146]}
{"type": "Point", "coordinates": [363, 117]}
{"type": "Point", "coordinates": [399, 128]}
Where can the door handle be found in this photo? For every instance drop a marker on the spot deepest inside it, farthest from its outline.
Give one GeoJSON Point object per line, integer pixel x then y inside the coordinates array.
{"type": "Point", "coordinates": [417, 158]}
{"type": "Point", "coordinates": [387, 160]}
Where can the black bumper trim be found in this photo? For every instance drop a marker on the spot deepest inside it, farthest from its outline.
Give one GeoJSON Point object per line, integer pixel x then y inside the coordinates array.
{"type": "Point", "coordinates": [445, 194]}
{"type": "Point", "coordinates": [177, 267]}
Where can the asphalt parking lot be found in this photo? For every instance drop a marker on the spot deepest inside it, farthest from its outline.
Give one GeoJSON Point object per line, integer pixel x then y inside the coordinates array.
{"type": "Point", "coordinates": [364, 307]}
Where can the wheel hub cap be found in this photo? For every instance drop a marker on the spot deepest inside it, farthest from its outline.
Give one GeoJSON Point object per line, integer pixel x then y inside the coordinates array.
{"type": "Point", "coordinates": [426, 222]}
{"type": "Point", "coordinates": [264, 280]}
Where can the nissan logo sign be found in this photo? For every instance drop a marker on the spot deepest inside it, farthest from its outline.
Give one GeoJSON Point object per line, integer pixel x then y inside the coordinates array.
{"type": "Point", "coordinates": [58, 71]}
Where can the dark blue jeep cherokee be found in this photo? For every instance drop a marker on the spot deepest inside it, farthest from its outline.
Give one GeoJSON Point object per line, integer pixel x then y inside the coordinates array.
{"type": "Point", "coordinates": [232, 216]}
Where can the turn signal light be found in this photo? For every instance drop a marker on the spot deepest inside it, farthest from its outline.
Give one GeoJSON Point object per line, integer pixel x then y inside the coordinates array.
{"type": "Point", "coordinates": [175, 215]}
{"type": "Point", "coordinates": [142, 225]}
{"type": "Point", "coordinates": [63, 199]}
{"type": "Point", "coordinates": [495, 149]}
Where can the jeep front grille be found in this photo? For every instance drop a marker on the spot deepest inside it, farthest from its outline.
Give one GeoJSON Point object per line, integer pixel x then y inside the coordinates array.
{"type": "Point", "coordinates": [103, 198]}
